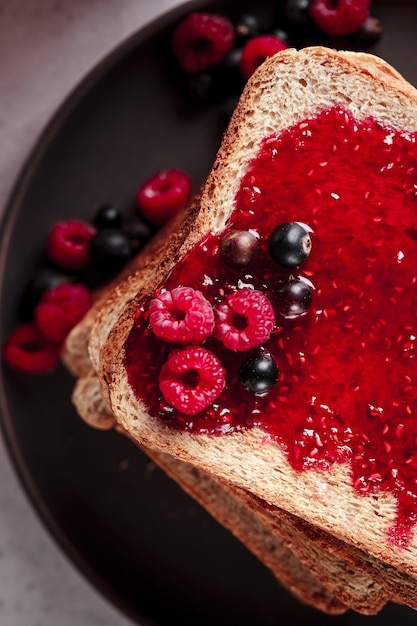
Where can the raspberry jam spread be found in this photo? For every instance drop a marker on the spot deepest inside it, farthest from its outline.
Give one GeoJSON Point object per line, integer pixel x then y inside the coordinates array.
{"type": "Point", "coordinates": [346, 389]}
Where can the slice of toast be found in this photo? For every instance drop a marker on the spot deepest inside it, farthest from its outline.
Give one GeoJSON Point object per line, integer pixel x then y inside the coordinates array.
{"type": "Point", "coordinates": [266, 541]}
{"type": "Point", "coordinates": [357, 591]}
{"type": "Point", "coordinates": [289, 571]}
{"type": "Point", "coordinates": [287, 89]}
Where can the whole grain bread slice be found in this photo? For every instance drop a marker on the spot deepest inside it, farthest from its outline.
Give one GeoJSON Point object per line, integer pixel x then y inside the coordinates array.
{"type": "Point", "coordinates": [344, 587]}
{"type": "Point", "coordinates": [287, 89]}
{"type": "Point", "coordinates": [294, 575]}
{"type": "Point", "coordinates": [358, 592]}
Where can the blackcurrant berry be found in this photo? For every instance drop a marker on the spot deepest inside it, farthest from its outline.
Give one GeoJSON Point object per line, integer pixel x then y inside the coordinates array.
{"type": "Point", "coordinates": [108, 216]}
{"type": "Point", "coordinates": [282, 35]}
{"type": "Point", "coordinates": [231, 81]}
{"type": "Point", "coordinates": [369, 33]}
{"type": "Point", "coordinates": [232, 61]}
{"type": "Point", "coordinates": [200, 88]}
{"type": "Point", "coordinates": [290, 244]}
{"type": "Point", "coordinates": [110, 249]}
{"type": "Point", "coordinates": [296, 11]}
{"type": "Point", "coordinates": [259, 373]}
{"type": "Point", "coordinates": [239, 248]}
{"type": "Point", "coordinates": [139, 232]}
{"type": "Point", "coordinates": [249, 25]}
{"type": "Point", "coordinates": [43, 279]}
{"type": "Point", "coordinates": [294, 298]}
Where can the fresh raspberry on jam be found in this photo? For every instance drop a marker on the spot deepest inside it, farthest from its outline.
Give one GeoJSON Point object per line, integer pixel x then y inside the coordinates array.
{"type": "Point", "coordinates": [202, 40]}
{"type": "Point", "coordinates": [161, 196]}
{"type": "Point", "coordinates": [340, 17]}
{"type": "Point", "coordinates": [244, 320]}
{"type": "Point", "coordinates": [256, 50]}
{"type": "Point", "coordinates": [61, 308]}
{"type": "Point", "coordinates": [28, 350]}
{"type": "Point", "coordinates": [182, 315]}
{"type": "Point", "coordinates": [68, 244]}
{"type": "Point", "coordinates": [192, 379]}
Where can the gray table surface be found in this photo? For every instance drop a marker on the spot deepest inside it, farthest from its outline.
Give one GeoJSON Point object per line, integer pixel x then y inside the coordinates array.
{"type": "Point", "coordinates": [46, 47]}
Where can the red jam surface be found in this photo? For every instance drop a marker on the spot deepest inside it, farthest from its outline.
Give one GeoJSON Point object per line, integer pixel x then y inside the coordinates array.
{"type": "Point", "coordinates": [347, 390]}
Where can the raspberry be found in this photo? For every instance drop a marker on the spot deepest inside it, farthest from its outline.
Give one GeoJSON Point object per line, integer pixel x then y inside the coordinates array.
{"type": "Point", "coordinates": [202, 40]}
{"type": "Point", "coordinates": [339, 17]}
{"type": "Point", "coordinates": [256, 50]}
{"type": "Point", "coordinates": [191, 379]}
{"type": "Point", "coordinates": [161, 196]}
{"type": "Point", "coordinates": [182, 315]}
{"type": "Point", "coordinates": [68, 244]}
{"type": "Point", "coordinates": [29, 351]}
{"type": "Point", "coordinates": [60, 309]}
{"type": "Point", "coordinates": [245, 320]}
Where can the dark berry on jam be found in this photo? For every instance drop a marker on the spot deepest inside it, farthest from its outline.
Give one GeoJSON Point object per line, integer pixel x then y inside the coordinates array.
{"type": "Point", "coordinates": [239, 248]}
{"type": "Point", "coordinates": [290, 244]}
{"type": "Point", "coordinates": [249, 25]}
{"type": "Point", "coordinates": [108, 216]}
{"type": "Point", "coordinates": [259, 373]}
{"type": "Point", "coordinates": [294, 297]}
{"type": "Point", "coordinates": [110, 249]}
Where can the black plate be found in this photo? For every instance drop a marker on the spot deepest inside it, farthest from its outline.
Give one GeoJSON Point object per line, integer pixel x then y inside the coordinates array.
{"type": "Point", "coordinates": [143, 543]}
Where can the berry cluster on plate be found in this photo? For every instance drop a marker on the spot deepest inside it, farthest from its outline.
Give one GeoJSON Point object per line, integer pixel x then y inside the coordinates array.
{"type": "Point", "coordinates": [81, 256]}
{"type": "Point", "coordinates": [215, 56]}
